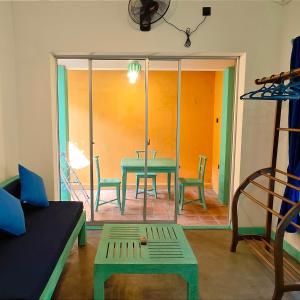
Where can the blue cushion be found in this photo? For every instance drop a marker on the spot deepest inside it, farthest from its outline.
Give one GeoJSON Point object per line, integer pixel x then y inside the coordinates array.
{"type": "Point", "coordinates": [11, 214]}
{"type": "Point", "coordinates": [32, 188]}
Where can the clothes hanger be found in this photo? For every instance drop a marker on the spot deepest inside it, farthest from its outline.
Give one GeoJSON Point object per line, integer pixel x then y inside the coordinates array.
{"type": "Point", "coordinates": [292, 89]}
{"type": "Point", "coordinates": [277, 90]}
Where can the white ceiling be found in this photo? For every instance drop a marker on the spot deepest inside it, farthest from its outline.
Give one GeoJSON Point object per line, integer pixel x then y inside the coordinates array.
{"type": "Point", "coordinates": [186, 64]}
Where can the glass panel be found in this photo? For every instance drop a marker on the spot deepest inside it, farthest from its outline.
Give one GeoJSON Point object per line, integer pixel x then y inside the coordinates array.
{"type": "Point", "coordinates": [73, 116]}
{"type": "Point", "coordinates": [200, 137]}
{"type": "Point", "coordinates": [119, 131]}
{"type": "Point", "coordinates": [162, 127]}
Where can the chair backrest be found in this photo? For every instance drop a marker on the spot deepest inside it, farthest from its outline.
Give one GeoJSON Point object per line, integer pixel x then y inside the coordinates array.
{"type": "Point", "coordinates": [141, 153]}
{"type": "Point", "coordinates": [96, 159]}
{"type": "Point", "coordinates": [202, 167]}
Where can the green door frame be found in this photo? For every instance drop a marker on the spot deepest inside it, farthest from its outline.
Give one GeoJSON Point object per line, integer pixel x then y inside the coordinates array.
{"type": "Point", "coordinates": [63, 128]}
{"type": "Point", "coordinates": [226, 135]}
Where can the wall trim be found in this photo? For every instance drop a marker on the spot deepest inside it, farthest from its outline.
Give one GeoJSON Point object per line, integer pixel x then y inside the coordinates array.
{"type": "Point", "coordinates": [8, 181]}
{"type": "Point", "coordinates": [252, 230]}
{"type": "Point", "coordinates": [94, 227]}
{"type": "Point", "coordinates": [206, 227]}
{"type": "Point", "coordinates": [288, 248]}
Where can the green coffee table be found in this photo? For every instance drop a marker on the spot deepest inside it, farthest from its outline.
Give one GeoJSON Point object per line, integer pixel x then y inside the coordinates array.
{"type": "Point", "coordinates": [144, 249]}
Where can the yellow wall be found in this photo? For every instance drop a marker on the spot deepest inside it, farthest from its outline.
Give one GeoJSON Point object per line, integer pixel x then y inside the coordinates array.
{"type": "Point", "coordinates": [119, 114]}
{"type": "Point", "coordinates": [197, 97]}
{"type": "Point", "coordinates": [217, 130]}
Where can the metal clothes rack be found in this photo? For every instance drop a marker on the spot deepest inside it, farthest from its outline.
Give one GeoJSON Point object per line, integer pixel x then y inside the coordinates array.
{"type": "Point", "coordinates": [72, 182]}
{"type": "Point", "coordinates": [271, 252]}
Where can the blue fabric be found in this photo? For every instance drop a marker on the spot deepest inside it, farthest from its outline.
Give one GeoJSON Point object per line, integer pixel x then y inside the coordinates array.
{"type": "Point", "coordinates": [32, 188]}
{"type": "Point", "coordinates": [27, 261]}
{"type": "Point", "coordinates": [294, 142]}
{"type": "Point", "coordinates": [11, 214]}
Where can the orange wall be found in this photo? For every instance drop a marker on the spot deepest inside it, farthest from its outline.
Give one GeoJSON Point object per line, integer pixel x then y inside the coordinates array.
{"type": "Point", "coordinates": [197, 97]}
{"type": "Point", "coordinates": [217, 130]}
{"type": "Point", "coordinates": [119, 115]}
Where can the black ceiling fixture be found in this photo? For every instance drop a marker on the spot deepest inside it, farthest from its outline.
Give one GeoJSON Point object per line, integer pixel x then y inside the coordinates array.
{"type": "Point", "coordinates": [147, 12]}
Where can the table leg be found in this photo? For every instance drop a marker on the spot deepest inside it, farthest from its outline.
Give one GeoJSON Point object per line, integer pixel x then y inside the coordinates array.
{"type": "Point", "coordinates": [192, 293]}
{"type": "Point", "coordinates": [191, 278]}
{"type": "Point", "coordinates": [176, 198]}
{"type": "Point", "coordinates": [169, 185]}
{"type": "Point", "coordinates": [99, 286]}
{"type": "Point", "coordinates": [124, 185]}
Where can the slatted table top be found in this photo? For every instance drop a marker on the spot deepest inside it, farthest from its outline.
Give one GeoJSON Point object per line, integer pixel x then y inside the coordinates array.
{"type": "Point", "coordinates": [165, 244]}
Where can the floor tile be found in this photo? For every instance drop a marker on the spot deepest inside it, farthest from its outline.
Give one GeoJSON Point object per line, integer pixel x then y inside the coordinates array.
{"type": "Point", "coordinates": [193, 214]}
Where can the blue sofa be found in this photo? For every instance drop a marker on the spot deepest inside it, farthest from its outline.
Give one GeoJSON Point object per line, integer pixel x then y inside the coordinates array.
{"type": "Point", "coordinates": [31, 264]}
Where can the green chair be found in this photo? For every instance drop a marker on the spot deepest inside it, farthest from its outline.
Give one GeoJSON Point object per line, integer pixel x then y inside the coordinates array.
{"type": "Point", "coordinates": [199, 182]}
{"type": "Point", "coordinates": [109, 182]}
{"type": "Point", "coordinates": [140, 154]}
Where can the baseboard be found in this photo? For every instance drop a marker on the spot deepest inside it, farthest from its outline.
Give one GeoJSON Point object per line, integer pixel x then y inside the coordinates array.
{"type": "Point", "coordinates": [252, 230]}
{"type": "Point", "coordinates": [288, 248]}
{"type": "Point", "coordinates": [206, 227]}
{"type": "Point", "coordinates": [94, 227]}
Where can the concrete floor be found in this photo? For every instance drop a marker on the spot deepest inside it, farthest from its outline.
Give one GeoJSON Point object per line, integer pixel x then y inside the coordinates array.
{"type": "Point", "coordinates": [223, 275]}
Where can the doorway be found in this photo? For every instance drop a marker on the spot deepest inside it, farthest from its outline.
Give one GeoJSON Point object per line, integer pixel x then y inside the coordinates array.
{"type": "Point", "coordinates": [108, 120]}
{"type": "Point", "coordinates": [207, 104]}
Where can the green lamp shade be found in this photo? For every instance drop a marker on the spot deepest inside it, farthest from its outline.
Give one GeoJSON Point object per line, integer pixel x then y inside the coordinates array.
{"type": "Point", "coordinates": [134, 68]}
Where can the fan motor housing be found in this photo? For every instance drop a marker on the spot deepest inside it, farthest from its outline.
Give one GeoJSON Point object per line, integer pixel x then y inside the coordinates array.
{"type": "Point", "coordinates": [147, 12]}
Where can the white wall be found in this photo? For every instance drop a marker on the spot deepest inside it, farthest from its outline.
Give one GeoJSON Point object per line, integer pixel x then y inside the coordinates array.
{"type": "Point", "coordinates": [103, 27]}
{"type": "Point", "coordinates": [8, 107]}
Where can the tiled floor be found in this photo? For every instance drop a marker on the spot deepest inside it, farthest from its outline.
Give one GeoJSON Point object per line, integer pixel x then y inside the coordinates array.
{"type": "Point", "coordinates": [194, 214]}
{"type": "Point", "coordinates": [161, 208]}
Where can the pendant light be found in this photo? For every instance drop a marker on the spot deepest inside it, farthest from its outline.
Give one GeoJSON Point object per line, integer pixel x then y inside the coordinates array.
{"type": "Point", "coordinates": [134, 68]}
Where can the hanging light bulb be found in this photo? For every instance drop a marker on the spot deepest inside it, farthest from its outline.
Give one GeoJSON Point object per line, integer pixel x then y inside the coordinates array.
{"type": "Point", "coordinates": [134, 68]}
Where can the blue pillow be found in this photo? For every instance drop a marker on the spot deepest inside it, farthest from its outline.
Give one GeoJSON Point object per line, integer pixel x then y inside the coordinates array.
{"type": "Point", "coordinates": [32, 188]}
{"type": "Point", "coordinates": [11, 214]}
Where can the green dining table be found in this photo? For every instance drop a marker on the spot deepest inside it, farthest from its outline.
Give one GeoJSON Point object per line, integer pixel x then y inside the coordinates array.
{"type": "Point", "coordinates": [157, 165]}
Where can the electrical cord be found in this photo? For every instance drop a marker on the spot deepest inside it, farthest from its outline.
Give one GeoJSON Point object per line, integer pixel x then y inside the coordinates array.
{"type": "Point", "coordinates": [188, 32]}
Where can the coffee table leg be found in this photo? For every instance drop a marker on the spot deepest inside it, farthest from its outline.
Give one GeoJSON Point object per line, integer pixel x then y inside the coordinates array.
{"type": "Point", "coordinates": [191, 278]}
{"type": "Point", "coordinates": [193, 290]}
{"type": "Point", "coordinates": [98, 286]}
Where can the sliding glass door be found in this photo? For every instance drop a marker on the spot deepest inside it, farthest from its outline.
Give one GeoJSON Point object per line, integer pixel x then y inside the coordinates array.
{"type": "Point", "coordinates": [118, 137]}
{"type": "Point", "coordinates": [73, 131]}
{"type": "Point", "coordinates": [119, 132]}
{"type": "Point", "coordinates": [163, 99]}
